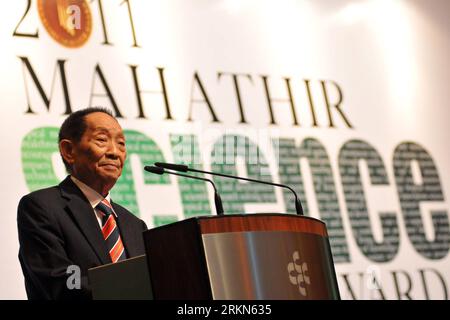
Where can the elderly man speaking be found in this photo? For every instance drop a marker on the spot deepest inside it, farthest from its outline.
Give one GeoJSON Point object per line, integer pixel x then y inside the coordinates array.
{"type": "Point", "coordinates": [76, 223]}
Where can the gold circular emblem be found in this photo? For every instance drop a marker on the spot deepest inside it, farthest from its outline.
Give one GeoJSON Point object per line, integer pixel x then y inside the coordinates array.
{"type": "Point", "coordinates": [69, 22]}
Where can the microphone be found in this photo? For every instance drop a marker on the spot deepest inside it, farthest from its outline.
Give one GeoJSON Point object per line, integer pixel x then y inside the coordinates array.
{"type": "Point", "coordinates": [185, 168]}
{"type": "Point", "coordinates": [217, 199]}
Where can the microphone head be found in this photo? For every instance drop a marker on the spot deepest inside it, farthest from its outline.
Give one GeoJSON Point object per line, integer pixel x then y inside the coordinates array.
{"type": "Point", "coordinates": [172, 166]}
{"type": "Point", "coordinates": [152, 169]}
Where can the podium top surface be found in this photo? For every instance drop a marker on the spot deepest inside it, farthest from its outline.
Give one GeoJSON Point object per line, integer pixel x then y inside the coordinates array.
{"type": "Point", "coordinates": [255, 222]}
{"type": "Point", "coordinates": [261, 222]}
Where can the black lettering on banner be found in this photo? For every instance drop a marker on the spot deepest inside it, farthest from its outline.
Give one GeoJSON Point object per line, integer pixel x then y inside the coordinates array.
{"type": "Point", "coordinates": [423, 273]}
{"type": "Point", "coordinates": [235, 77]}
{"type": "Point", "coordinates": [130, 15]}
{"type": "Point", "coordinates": [108, 94]}
{"type": "Point", "coordinates": [21, 34]}
{"type": "Point", "coordinates": [102, 19]}
{"type": "Point", "coordinates": [336, 105]}
{"type": "Point", "coordinates": [365, 292]}
{"type": "Point", "coordinates": [348, 284]}
{"type": "Point", "coordinates": [205, 99]}
{"type": "Point", "coordinates": [311, 102]}
{"type": "Point", "coordinates": [46, 98]}
{"type": "Point", "coordinates": [270, 99]}
{"type": "Point", "coordinates": [402, 290]}
{"type": "Point", "coordinates": [138, 92]}
{"type": "Point", "coordinates": [349, 156]}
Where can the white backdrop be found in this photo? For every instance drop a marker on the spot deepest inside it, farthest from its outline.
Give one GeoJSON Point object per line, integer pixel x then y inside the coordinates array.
{"type": "Point", "coordinates": [383, 62]}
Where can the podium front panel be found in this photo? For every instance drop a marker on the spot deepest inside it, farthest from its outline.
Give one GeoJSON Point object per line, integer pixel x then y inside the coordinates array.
{"type": "Point", "coordinates": [249, 256]}
{"type": "Point", "coordinates": [270, 265]}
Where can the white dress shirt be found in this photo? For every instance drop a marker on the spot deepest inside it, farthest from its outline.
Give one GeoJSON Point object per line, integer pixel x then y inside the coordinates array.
{"type": "Point", "coordinates": [93, 197]}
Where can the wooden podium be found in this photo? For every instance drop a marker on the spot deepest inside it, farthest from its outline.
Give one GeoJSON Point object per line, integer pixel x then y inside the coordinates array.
{"type": "Point", "coordinates": [250, 256]}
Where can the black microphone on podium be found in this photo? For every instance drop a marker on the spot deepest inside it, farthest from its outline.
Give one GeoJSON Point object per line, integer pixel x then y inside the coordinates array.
{"type": "Point", "coordinates": [217, 199]}
{"type": "Point", "coordinates": [185, 168]}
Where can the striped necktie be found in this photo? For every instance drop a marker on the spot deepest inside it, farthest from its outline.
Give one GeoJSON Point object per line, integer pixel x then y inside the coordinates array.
{"type": "Point", "coordinates": [111, 232]}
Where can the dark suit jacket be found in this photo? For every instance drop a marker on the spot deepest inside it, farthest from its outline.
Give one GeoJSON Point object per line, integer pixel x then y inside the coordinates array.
{"type": "Point", "coordinates": [58, 228]}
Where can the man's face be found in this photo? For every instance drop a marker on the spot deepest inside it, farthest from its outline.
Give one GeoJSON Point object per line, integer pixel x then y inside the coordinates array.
{"type": "Point", "coordinates": [99, 157]}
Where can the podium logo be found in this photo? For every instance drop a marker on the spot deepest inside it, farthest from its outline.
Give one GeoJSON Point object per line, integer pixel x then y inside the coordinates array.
{"type": "Point", "coordinates": [298, 273]}
{"type": "Point", "coordinates": [69, 22]}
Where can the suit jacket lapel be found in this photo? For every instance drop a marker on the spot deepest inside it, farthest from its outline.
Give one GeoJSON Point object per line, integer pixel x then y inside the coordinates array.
{"type": "Point", "coordinates": [84, 216]}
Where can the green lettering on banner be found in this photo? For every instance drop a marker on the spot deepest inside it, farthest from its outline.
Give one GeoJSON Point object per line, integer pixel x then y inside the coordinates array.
{"type": "Point", "coordinates": [193, 193]}
{"type": "Point", "coordinates": [288, 157]}
{"type": "Point", "coordinates": [147, 150]}
{"type": "Point", "coordinates": [411, 193]}
{"type": "Point", "coordinates": [234, 193]}
{"type": "Point", "coordinates": [37, 149]}
{"type": "Point", "coordinates": [349, 156]}
{"type": "Point", "coordinates": [161, 220]}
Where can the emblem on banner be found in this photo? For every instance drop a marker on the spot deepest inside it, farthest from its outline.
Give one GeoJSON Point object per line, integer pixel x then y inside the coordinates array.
{"type": "Point", "coordinates": [69, 22]}
{"type": "Point", "coordinates": [298, 273]}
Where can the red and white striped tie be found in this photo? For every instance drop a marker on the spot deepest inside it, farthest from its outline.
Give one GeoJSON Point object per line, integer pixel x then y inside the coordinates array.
{"type": "Point", "coordinates": [111, 232]}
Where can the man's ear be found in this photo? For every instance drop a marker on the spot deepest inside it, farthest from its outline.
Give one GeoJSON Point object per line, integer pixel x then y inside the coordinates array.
{"type": "Point", "coordinates": [67, 150]}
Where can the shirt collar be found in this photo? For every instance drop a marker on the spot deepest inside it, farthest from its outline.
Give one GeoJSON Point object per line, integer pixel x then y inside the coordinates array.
{"type": "Point", "coordinates": [93, 196]}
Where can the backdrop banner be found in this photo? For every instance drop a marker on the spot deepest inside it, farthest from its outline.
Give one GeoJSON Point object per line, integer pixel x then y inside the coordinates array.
{"type": "Point", "coordinates": [345, 101]}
